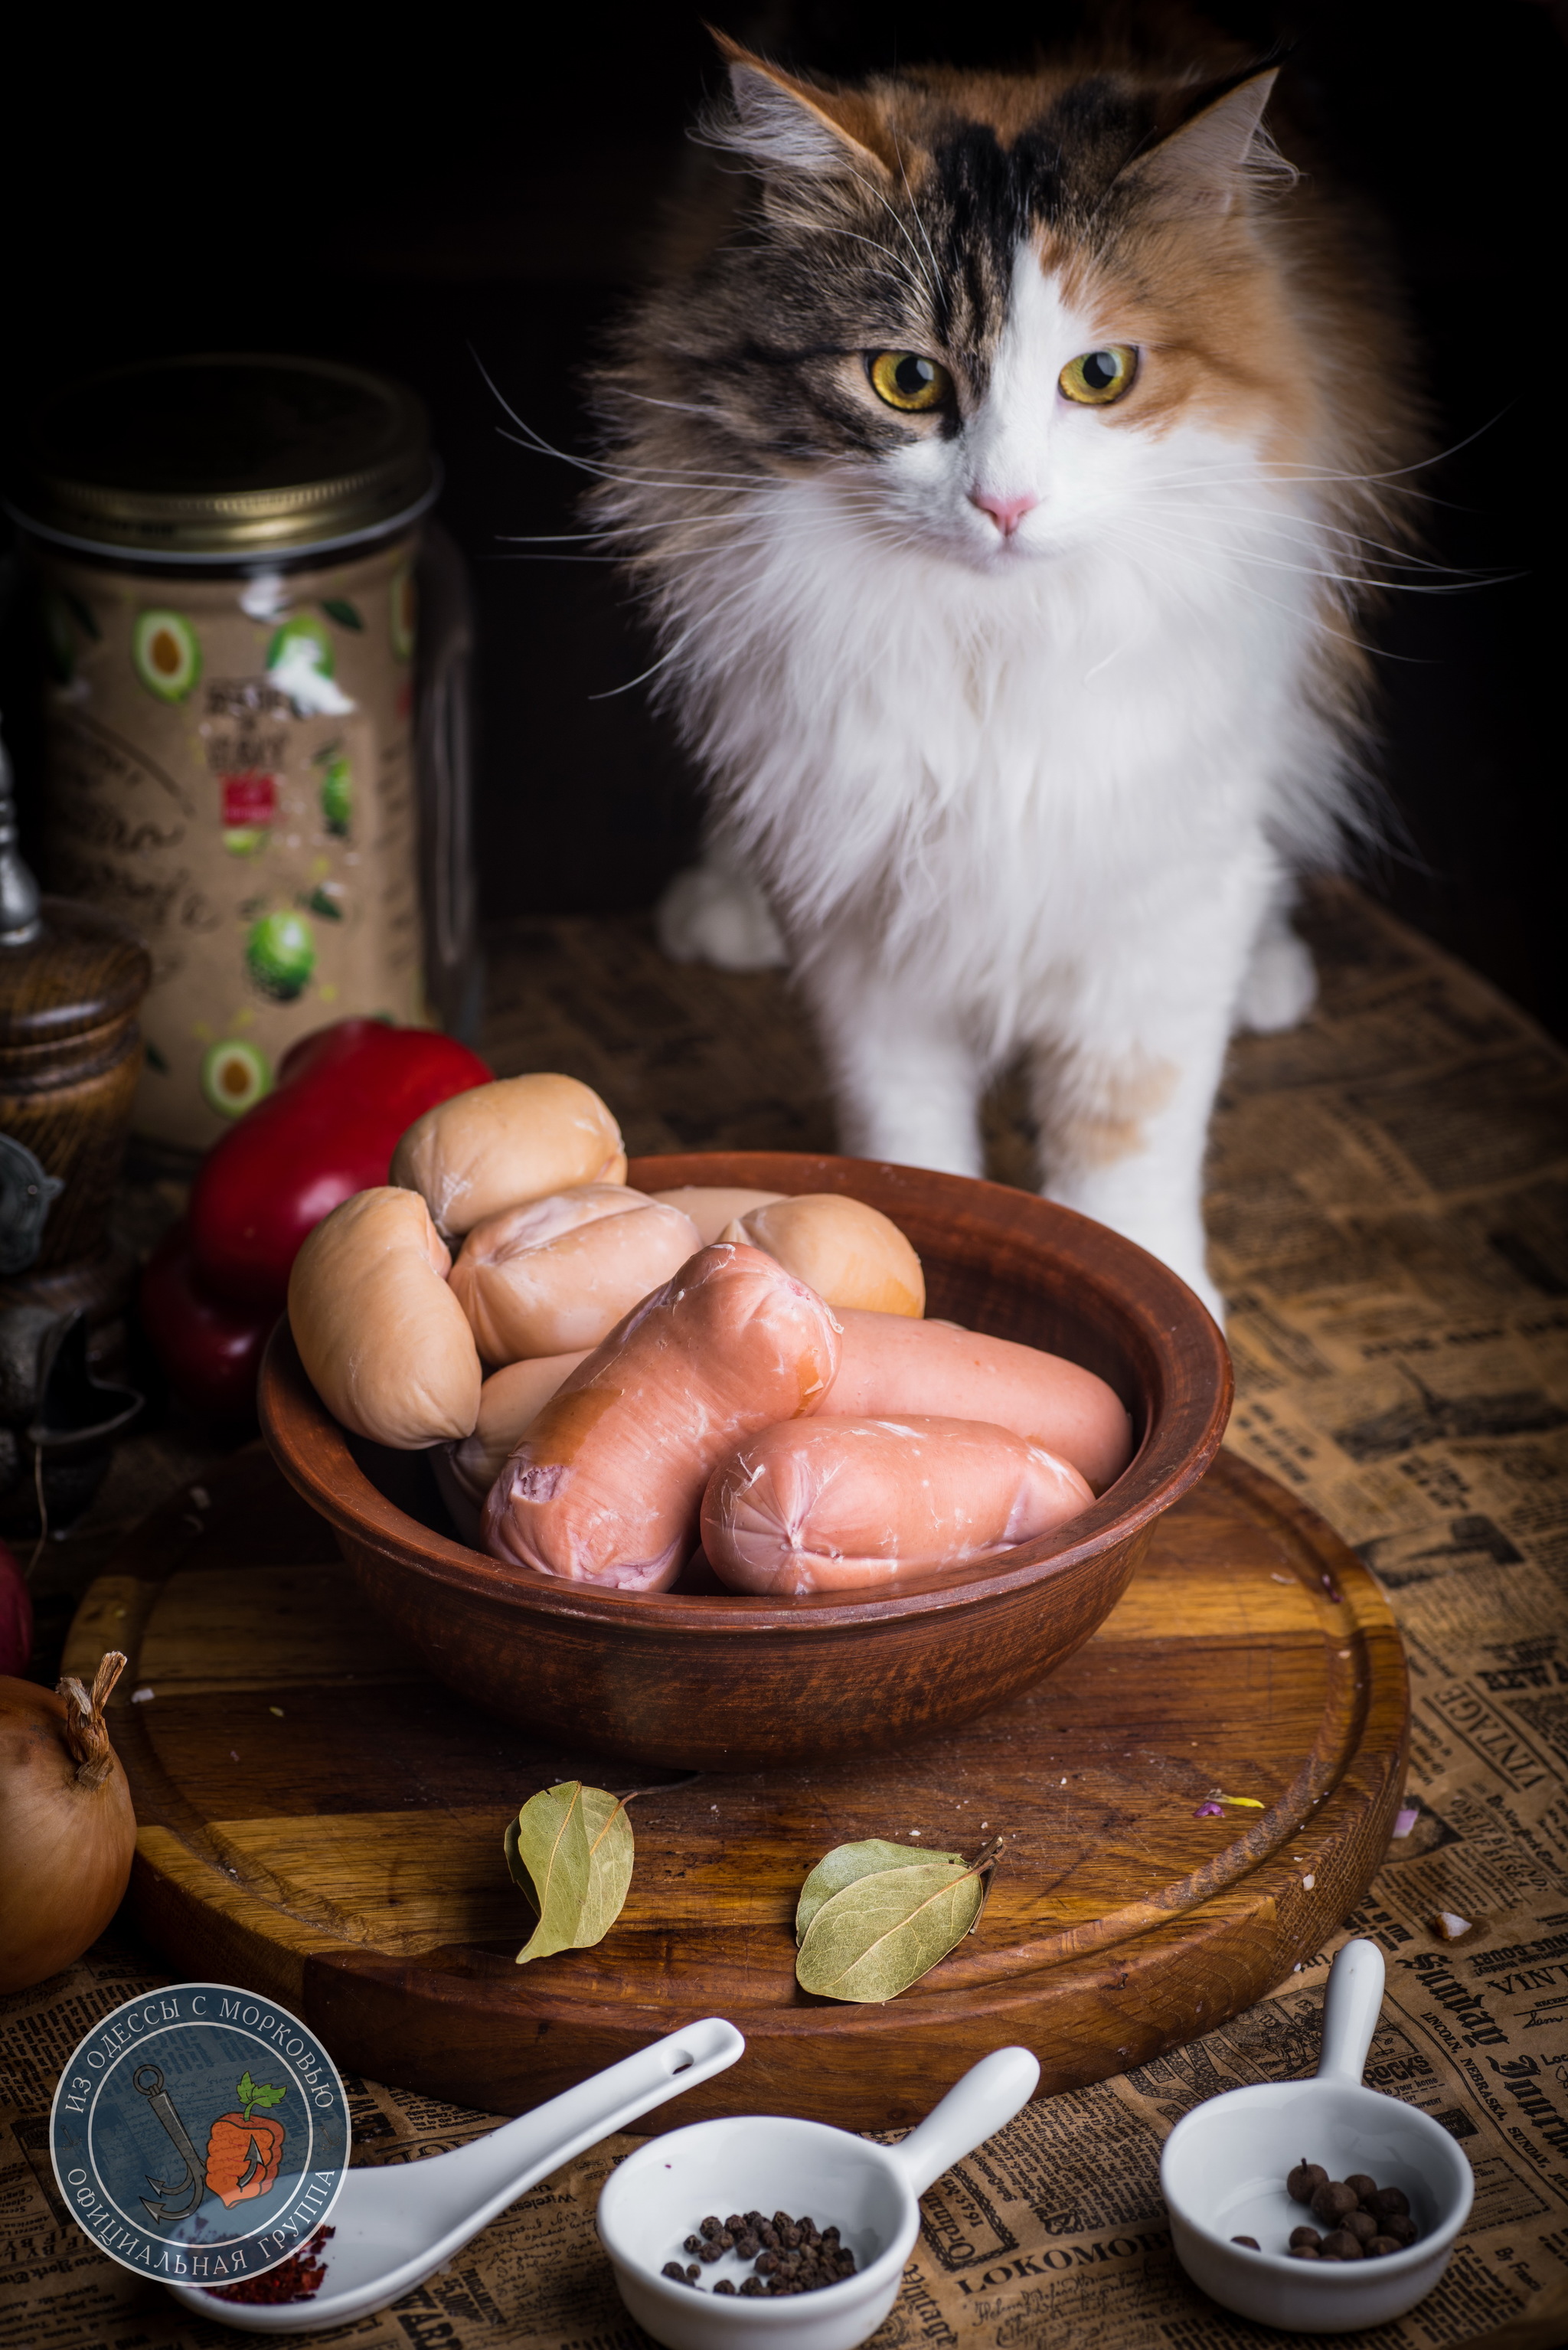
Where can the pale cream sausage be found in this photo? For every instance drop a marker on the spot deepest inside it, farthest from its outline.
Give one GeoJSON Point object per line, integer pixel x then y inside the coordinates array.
{"type": "Point", "coordinates": [510, 1402]}
{"type": "Point", "coordinates": [711, 1206]}
{"type": "Point", "coordinates": [851, 1255]}
{"type": "Point", "coordinates": [557, 1274]}
{"type": "Point", "coordinates": [498, 1146]}
{"type": "Point", "coordinates": [606, 1486]}
{"type": "Point", "coordinates": [833, 1505]}
{"type": "Point", "coordinates": [891, 1367]}
{"type": "Point", "coordinates": [384, 1342]}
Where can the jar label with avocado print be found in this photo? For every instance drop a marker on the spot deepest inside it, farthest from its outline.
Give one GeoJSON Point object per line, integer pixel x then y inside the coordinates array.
{"type": "Point", "coordinates": [231, 771]}
{"type": "Point", "coordinates": [200, 2135]}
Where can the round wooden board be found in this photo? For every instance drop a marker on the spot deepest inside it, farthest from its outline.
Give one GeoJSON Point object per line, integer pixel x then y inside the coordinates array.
{"type": "Point", "coordinates": [322, 1823]}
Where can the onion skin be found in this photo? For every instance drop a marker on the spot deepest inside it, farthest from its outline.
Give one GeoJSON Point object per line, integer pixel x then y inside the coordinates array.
{"type": "Point", "coordinates": [68, 1830]}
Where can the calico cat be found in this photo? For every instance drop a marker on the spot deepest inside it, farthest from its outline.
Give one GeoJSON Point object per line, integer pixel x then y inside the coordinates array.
{"type": "Point", "coordinates": [1004, 475]}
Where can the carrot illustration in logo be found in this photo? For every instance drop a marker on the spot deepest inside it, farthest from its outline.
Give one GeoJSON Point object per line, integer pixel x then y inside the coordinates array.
{"type": "Point", "coordinates": [242, 2151]}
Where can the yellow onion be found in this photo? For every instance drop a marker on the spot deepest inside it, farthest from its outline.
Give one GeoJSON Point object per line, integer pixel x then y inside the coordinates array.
{"type": "Point", "coordinates": [67, 1831]}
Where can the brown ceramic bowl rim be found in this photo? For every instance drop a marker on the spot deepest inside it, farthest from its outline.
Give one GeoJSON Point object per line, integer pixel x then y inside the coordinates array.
{"type": "Point", "coordinates": [313, 1448]}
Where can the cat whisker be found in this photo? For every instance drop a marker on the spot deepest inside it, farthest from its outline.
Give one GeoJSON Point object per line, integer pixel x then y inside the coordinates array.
{"type": "Point", "coordinates": [1129, 534]}
{"type": "Point", "coordinates": [682, 407]}
{"type": "Point", "coordinates": [1295, 470]}
{"type": "Point", "coordinates": [914, 207]}
{"type": "Point", "coordinates": [633, 477]}
{"type": "Point", "coordinates": [680, 477]}
{"type": "Point", "coordinates": [1200, 491]}
{"type": "Point", "coordinates": [903, 231]}
{"type": "Point", "coordinates": [1382, 575]}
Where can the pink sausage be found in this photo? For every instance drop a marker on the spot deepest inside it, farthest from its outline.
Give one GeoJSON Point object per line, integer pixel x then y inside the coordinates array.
{"type": "Point", "coordinates": [833, 1505]}
{"type": "Point", "coordinates": [607, 1484]}
{"type": "Point", "coordinates": [892, 1368]}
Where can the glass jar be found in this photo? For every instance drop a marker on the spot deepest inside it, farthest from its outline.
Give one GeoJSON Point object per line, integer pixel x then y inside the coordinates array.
{"type": "Point", "coordinates": [250, 755]}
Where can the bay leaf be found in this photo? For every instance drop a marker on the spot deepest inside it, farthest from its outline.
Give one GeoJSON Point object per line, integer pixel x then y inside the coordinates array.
{"type": "Point", "coordinates": [571, 1850]}
{"type": "Point", "coordinates": [885, 1929]}
{"type": "Point", "coordinates": [848, 1862]}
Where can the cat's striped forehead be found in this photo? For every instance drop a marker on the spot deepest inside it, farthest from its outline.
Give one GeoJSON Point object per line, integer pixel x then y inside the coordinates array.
{"type": "Point", "coordinates": [973, 166]}
{"type": "Point", "coordinates": [895, 215]}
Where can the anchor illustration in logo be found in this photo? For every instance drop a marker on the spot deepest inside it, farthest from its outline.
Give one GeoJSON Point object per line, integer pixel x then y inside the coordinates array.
{"type": "Point", "coordinates": [243, 2152]}
{"type": "Point", "coordinates": [178, 2196]}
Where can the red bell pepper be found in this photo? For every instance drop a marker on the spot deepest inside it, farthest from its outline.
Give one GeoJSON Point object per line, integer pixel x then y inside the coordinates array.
{"type": "Point", "coordinates": [328, 1128]}
{"type": "Point", "coordinates": [210, 1349]}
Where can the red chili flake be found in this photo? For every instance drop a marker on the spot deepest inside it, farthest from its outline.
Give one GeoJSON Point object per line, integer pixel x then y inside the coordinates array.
{"type": "Point", "coordinates": [300, 2278]}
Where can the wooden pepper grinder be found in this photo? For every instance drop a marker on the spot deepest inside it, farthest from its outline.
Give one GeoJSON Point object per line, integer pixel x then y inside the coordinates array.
{"type": "Point", "coordinates": [71, 1054]}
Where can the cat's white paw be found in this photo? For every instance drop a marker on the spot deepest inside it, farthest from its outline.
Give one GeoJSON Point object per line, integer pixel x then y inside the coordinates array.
{"type": "Point", "coordinates": [1281, 985]}
{"type": "Point", "coordinates": [710, 915]}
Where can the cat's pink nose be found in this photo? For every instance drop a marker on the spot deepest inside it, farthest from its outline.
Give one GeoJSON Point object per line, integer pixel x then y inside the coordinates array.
{"type": "Point", "coordinates": [1005, 513]}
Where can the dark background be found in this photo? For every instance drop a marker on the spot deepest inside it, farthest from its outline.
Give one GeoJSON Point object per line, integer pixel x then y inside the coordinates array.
{"type": "Point", "coordinates": [468, 195]}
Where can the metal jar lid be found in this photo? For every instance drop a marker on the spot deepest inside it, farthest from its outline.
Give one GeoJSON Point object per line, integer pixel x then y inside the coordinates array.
{"type": "Point", "coordinates": [226, 458]}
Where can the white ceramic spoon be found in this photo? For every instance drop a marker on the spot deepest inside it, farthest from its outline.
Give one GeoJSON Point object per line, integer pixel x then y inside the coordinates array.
{"type": "Point", "coordinates": [1224, 2166]}
{"type": "Point", "coordinates": [767, 2162]}
{"type": "Point", "coordinates": [397, 2225]}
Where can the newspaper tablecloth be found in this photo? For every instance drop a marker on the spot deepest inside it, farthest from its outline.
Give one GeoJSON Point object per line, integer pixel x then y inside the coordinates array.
{"type": "Point", "coordinates": [1390, 1206]}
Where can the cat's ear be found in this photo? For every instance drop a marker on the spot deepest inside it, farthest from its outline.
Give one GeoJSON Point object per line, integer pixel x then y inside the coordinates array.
{"type": "Point", "coordinates": [1201, 168]}
{"type": "Point", "coordinates": [790, 125]}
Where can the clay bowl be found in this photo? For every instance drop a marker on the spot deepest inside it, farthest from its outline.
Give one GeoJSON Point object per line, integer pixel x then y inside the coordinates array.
{"type": "Point", "coordinates": [698, 1679]}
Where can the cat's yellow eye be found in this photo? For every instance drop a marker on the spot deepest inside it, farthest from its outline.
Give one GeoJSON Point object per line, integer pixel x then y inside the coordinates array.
{"type": "Point", "coordinates": [904, 380]}
{"type": "Point", "coordinates": [1096, 378]}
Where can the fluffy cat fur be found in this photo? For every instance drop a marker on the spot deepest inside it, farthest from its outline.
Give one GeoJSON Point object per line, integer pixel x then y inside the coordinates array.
{"type": "Point", "coordinates": [1020, 715]}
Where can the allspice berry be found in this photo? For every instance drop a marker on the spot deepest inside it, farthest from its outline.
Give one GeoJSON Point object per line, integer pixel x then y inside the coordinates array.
{"type": "Point", "coordinates": [1390, 2203]}
{"type": "Point", "coordinates": [1299, 2236]}
{"type": "Point", "coordinates": [1366, 2186]}
{"type": "Point", "coordinates": [1380, 2246]}
{"type": "Point", "coordinates": [1342, 2246]}
{"type": "Point", "coordinates": [1361, 2224]}
{"type": "Point", "coordinates": [1305, 2179]}
{"type": "Point", "coordinates": [1332, 2200]}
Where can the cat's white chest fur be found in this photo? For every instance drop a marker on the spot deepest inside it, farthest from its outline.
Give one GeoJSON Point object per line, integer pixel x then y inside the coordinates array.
{"type": "Point", "coordinates": [1031, 786]}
